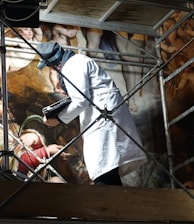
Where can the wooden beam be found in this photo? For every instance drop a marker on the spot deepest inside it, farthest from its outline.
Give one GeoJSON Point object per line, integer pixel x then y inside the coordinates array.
{"type": "Point", "coordinates": [95, 202]}
{"type": "Point", "coordinates": [172, 4]}
{"type": "Point", "coordinates": [89, 22]}
{"type": "Point", "coordinates": [110, 11]}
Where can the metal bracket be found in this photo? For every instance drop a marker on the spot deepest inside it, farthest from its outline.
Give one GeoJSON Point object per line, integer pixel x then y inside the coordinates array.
{"type": "Point", "coordinates": [106, 114]}
{"type": "Point", "coordinates": [2, 49]}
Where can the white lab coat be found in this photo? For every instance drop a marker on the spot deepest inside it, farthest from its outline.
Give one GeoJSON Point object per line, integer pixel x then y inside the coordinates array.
{"type": "Point", "coordinates": [106, 146]}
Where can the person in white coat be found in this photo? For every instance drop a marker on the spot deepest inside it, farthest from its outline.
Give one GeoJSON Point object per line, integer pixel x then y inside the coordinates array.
{"type": "Point", "coordinates": [110, 150]}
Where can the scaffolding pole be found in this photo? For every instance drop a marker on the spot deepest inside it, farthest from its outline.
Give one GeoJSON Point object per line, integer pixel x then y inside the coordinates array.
{"type": "Point", "coordinates": [4, 97]}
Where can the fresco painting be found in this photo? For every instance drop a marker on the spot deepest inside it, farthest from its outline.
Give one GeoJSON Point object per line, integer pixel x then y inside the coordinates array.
{"type": "Point", "coordinates": [31, 89]}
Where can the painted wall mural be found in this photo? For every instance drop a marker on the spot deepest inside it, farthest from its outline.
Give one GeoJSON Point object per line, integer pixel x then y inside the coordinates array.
{"type": "Point", "coordinates": [30, 89]}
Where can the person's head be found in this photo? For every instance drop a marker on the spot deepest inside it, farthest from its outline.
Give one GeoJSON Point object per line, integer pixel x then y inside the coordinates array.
{"type": "Point", "coordinates": [25, 32]}
{"type": "Point", "coordinates": [53, 53]}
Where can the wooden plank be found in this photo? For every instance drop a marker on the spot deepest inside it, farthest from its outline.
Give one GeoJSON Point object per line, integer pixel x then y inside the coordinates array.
{"type": "Point", "coordinates": [75, 221]}
{"type": "Point", "coordinates": [95, 202]}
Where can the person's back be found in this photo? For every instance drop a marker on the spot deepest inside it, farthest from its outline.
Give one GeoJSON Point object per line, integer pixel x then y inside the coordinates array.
{"type": "Point", "coordinates": [100, 81]}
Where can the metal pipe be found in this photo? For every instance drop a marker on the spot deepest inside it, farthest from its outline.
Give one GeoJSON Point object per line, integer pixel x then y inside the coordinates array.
{"type": "Point", "coordinates": [174, 27]}
{"type": "Point", "coordinates": [110, 11]}
{"type": "Point", "coordinates": [4, 96]}
{"type": "Point", "coordinates": [181, 116]}
{"type": "Point", "coordinates": [158, 24]}
{"type": "Point", "coordinates": [165, 121]}
{"type": "Point", "coordinates": [178, 70]}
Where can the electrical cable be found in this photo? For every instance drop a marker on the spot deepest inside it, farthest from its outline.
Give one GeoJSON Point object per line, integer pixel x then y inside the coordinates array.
{"type": "Point", "coordinates": [21, 19]}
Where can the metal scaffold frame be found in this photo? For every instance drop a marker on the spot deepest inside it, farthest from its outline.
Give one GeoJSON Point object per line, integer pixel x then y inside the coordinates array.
{"type": "Point", "coordinates": [155, 69]}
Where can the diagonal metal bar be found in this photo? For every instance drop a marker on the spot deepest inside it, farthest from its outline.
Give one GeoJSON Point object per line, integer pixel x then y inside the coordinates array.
{"type": "Point", "coordinates": [49, 161]}
{"type": "Point", "coordinates": [153, 159]}
{"type": "Point", "coordinates": [153, 72]}
{"type": "Point", "coordinates": [181, 116]}
{"type": "Point", "coordinates": [109, 11]}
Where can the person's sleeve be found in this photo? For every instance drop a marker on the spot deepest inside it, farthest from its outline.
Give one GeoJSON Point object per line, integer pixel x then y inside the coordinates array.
{"type": "Point", "coordinates": [77, 73]}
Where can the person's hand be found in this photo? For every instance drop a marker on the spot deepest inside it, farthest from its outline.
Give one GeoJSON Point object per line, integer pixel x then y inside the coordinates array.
{"type": "Point", "coordinates": [51, 122]}
{"type": "Point", "coordinates": [54, 148]}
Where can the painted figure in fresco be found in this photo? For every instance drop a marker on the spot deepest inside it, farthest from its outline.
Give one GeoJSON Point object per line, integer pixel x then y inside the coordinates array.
{"type": "Point", "coordinates": [131, 73]}
{"type": "Point", "coordinates": [141, 50]}
{"type": "Point", "coordinates": [179, 37]}
{"type": "Point", "coordinates": [30, 147]}
{"type": "Point", "coordinates": [125, 76]}
{"type": "Point", "coordinates": [63, 36]}
{"type": "Point", "coordinates": [55, 81]}
{"type": "Point", "coordinates": [108, 152]}
{"type": "Point", "coordinates": [178, 93]}
{"type": "Point", "coordinates": [93, 37]}
{"type": "Point", "coordinates": [33, 139]}
{"type": "Point", "coordinates": [16, 60]}
{"type": "Point", "coordinates": [104, 40]}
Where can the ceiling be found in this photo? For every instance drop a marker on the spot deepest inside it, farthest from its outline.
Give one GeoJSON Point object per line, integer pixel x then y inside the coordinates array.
{"type": "Point", "coordinates": [132, 16]}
